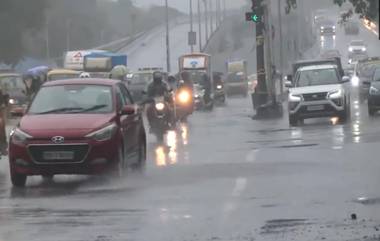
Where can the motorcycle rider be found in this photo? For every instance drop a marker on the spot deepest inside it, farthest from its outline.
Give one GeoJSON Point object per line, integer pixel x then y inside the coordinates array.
{"type": "Point", "coordinates": [159, 88]}
{"type": "Point", "coordinates": [207, 87]}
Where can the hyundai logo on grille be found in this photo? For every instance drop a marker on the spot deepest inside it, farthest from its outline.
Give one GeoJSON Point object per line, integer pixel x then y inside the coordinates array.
{"type": "Point", "coordinates": [58, 139]}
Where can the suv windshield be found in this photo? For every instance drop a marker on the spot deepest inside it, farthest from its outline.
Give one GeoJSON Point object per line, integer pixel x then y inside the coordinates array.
{"type": "Point", "coordinates": [317, 77]}
{"type": "Point", "coordinates": [73, 98]}
{"type": "Point", "coordinates": [357, 43]}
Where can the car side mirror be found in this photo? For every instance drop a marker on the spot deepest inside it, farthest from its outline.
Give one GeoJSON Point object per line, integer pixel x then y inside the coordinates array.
{"type": "Point", "coordinates": [345, 79]}
{"type": "Point", "coordinates": [289, 78]}
{"type": "Point", "coordinates": [128, 110]}
{"type": "Point", "coordinates": [288, 84]}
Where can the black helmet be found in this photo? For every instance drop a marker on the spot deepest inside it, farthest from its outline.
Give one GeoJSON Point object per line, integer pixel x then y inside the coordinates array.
{"type": "Point", "coordinates": [157, 77]}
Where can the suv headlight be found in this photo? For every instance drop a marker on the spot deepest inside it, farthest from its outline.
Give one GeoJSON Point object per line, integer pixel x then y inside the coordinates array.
{"type": "Point", "coordinates": [374, 91]}
{"type": "Point", "coordinates": [160, 106]}
{"type": "Point", "coordinates": [335, 94]}
{"type": "Point", "coordinates": [295, 98]}
{"type": "Point", "coordinates": [18, 136]}
{"type": "Point", "coordinates": [13, 101]}
{"type": "Point", "coordinates": [103, 134]}
{"type": "Point", "coordinates": [350, 49]}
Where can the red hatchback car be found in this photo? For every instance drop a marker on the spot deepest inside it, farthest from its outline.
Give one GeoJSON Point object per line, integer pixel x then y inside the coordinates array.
{"type": "Point", "coordinates": [78, 126]}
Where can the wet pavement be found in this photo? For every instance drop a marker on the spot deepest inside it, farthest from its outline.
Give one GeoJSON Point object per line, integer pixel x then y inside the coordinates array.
{"type": "Point", "coordinates": [221, 176]}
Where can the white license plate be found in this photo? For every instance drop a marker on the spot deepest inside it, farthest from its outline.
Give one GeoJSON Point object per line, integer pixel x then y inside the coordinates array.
{"type": "Point", "coordinates": [315, 107]}
{"type": "Point", "coordinates": [58, 155]}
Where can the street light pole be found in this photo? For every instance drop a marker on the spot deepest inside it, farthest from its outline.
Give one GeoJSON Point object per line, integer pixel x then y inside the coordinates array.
{"type": "Point", "coordinates": [168, 69]}
{"type": "Point", "coordinates": [47, 39]}
{"type": "Point", "coordinates": [200, 25]}
{"type": "Point", "coordinates": [191, 22]}
{"type": "Point", "coordinates": [206, 19]}
{"type": "Point", "coordinates": [281, 45]}
{"type": "Point", "coordinates": [68, 23]}
{"type": "Point", "coordinates": [211, 21]}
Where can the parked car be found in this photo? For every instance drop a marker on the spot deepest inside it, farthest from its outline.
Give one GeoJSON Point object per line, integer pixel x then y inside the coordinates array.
{"type": "Point", "coordinates": [78, 126]}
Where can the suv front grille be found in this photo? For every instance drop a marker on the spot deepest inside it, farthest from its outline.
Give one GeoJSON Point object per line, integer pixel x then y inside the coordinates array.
{"type": "Point", "coordinates": [79, 151]}
{"type": "Point", "coordinates": [315, 96]}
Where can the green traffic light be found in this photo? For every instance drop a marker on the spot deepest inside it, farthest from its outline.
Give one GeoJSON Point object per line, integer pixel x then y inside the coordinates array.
{"type": "Point", "coordinates": [255, 18]}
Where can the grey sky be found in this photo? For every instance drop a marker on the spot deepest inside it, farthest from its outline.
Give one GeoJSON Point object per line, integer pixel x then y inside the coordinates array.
{"type": "Point", "coordinates": [183, 5]}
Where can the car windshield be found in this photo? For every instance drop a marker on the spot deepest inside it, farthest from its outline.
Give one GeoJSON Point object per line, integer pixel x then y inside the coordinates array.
{"type": "Point", "coordinates": [64, 99]}
{"type": "Point", "coordinates": [235, 78]}
{"type": "Point", "coordinates": [357, 43]}
{"type": "Point", "coordinates": [317, 77]}
{"type": "Point", "coordinates": [141, 79]}
{"type": "Point", "coordinates": [376, 75]}
{"type": "Point", "coordinates": [11, 82]}
{"type": "Point", "coordinates": [53, 77]}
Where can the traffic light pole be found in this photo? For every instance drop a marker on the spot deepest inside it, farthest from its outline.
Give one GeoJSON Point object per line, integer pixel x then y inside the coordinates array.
{"type": "Point", "coordinates": [260, 96]}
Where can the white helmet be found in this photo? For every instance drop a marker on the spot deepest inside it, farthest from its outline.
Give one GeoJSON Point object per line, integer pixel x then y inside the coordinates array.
{"type": "Point", "coordinates": [84, 75]}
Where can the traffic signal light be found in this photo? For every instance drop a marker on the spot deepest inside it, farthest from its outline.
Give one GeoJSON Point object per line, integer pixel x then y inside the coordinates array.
{"type": "Point", "coordinates": [251, 16]}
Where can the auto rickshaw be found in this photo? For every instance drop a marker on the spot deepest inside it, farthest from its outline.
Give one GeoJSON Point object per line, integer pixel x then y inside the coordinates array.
{"type": "Point", "coordinates": [58, 74]}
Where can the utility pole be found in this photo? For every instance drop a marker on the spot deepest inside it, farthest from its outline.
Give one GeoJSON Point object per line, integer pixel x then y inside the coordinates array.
{"type": "Point", "coordinates": [216, 13]}
{"type": "Point", "coordinates": [68, 23]}
{"type": "Point", "coordinates": [281, 45]}
{"type": "Point", "coordinates": [211, 21]}
{"type": "Point", "coordinates": [47, 38]}
{"type": "Point", "coordinates": [191, 22]}
{"type": "Point", "coordinates": [200, 25]}
{"type": "Point", "coordinates": [206, 19]}
{"type": "Point", "coordinates": [168, 69]}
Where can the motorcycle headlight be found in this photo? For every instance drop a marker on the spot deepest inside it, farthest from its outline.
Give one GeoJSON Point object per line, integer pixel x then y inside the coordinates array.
{"type": "Point", "coordinates": [294, 98]}
{"type": "Point", "coordinates": [350, 49]}
{"type": "Point", "coordinates": [373, 91]}
{"type": "Point", "coordinates": [184, 97]}
{"type": "Point", "coordinates": [335, 94]}
{"type": "Point", "coordinates": [355, 81]}
{"type": "Point", "coordinates": [322, 28]}
{"type": "Point", "coordinates": [160, 106]}
{"type": "Point", "coordinates": [103, 134]}
{"type": "Point", "coordinates": [12, 101]}
{"type": "Point", "coordinates": [219, 87]}
{"type": "Point", "coordinates": [334, 27]}
{"type": "Point", "coordinates": [196, 96]}
{"type": "Point", "coordinates": [18, 136]}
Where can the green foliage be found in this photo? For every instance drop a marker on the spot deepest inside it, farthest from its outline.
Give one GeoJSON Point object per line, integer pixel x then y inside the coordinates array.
{"type": "Point", "coordinates": [365, 8]}
{"type": "Point", "coordinates": [16, 18]}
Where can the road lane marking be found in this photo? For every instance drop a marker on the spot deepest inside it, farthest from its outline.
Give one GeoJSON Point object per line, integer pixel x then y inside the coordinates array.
{"type": "Point", "coordinates": [240, 185]}
{"type": "Point", "coordinates": [251, 156]}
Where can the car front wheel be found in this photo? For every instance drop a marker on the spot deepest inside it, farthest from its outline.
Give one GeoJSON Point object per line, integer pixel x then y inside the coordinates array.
{"type": "Point", "coordinates": [371, 112]}
{"type": "Point", "coordinates": [18, 180]}
{"type": "Point", "coordinates": [293, 121]}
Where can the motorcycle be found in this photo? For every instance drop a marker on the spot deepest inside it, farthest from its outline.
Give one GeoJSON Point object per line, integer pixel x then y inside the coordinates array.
{"type": "Point", "coordinates": [184, 103]}
{"type": "Point", "coordinates": [159, 117]}
{"type": "Point", "coordinates": [219, 95]}
{"type": "Point", "coordinates": [200, 102]}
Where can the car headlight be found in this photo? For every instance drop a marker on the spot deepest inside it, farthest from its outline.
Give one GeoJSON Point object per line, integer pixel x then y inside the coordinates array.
{"type": "Point", "coordinates": [373, 91]}
{"type": "Point", "coordinates": [219, 87]}
{"type": "Point", "coordinates": [12, 101]}
{"type": "Point", "coordinates": [322, 28]}
{"type": "Point", "coordinates": [334, 27]}
{"type": "Point", "coordinates": [103, 134]}
{"type": "Point", "coordinates": [364, 49]}
{"type": "Point", "coordinates": [295, 98]}
{"type": "Point", "coordinates": [350, 49]}
{"type": "Point", "coordinates": [160, 106]}
{"type": "Point", "coordinates": [18, 136]}
{"type": "Point", "coordinates": [335, 94]}
{"type": "Point", "coordinates": [355, 81]}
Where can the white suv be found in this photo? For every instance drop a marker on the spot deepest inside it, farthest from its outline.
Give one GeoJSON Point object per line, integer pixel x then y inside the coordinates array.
{"type": "Point", "coordinates": [318, 91]}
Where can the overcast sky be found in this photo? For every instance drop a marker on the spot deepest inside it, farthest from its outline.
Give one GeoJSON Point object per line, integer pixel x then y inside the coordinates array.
{"type": "Point", "coordinates": [183, 5]}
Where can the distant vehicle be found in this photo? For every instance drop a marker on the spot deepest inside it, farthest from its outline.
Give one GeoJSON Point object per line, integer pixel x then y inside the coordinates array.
{"type": "Point", "coordinates": [139, 81]}
{"type": "Point", "coordinates": [13, 85]}
{"type": "Point", "coordinates": [197, 65]}
{"type": "Point", "coordinates": [319, 16]}
{"type": "Point", "coordinates": [237, 78]}
{"type": "Point", "coordinates": [364, 71]}
{"type": "Point", "coordinates": [351, 27]}
{"type": "Point", "coordinates": [80, 126]}
{"type": "Point", "coordinates": [75, 59]}
{"type": "Point", "coordinates": [374, 93]}
{"type": "Point", "coordinates": [327, 27]}
{"type": "Point", "coordinates": [330, 53]}
{"type": "Point", "coordinates": [318, 91]}
{"type": "Point", "coordinates": [356, 47]}
{"type": "Point", "coordinates": [60, 74]}
{"type": "Point", "coordinates": [303, 63]}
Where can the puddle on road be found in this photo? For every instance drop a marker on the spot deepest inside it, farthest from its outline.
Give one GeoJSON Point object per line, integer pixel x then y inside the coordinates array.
{"type": "Point", "coordinates": [297, 146]}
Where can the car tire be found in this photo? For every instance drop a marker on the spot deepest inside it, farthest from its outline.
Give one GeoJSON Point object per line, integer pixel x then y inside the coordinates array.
{"type": "Point", "coordinates": [141, 163]}
{"type": "Point", "coordinates": [18, 180]}
{"type": "Point", "coordinates": [293, 121]}
{"type": "Point", "coordinates": [343, 117]}
{"type": "Point", "coordinates": [119, 167]}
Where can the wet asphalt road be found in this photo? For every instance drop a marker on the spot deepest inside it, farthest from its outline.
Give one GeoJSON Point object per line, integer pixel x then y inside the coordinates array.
{"type": "Point", "coordinates": [221, 176]}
